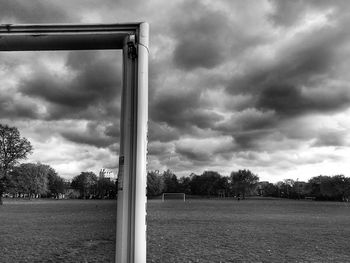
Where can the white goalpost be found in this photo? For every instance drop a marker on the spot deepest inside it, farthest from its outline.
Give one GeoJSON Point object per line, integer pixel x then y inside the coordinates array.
{"type": "Point", "coordinates": [174, 196]}
{"type": "Point", "coordinates": [132, 39]}
{"type": "Point", "coordinates": [132, 174]}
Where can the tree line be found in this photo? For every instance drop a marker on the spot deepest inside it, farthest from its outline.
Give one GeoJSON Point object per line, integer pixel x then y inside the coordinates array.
{"type": "Point", "coordinates": [36, 180]}
{"type": "Point", "coordinates": [41, 180]}
{"type": "Point", "coordinates": [209, 183]}
{"type": "Point", "coordinates": [244, 183]}
{"type": "Point", "coordinates": [322, 187]}
{"type": "Point", "coordinates": [89, 186]}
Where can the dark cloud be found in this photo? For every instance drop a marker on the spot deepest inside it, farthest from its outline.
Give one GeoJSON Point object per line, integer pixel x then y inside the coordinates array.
{"type": "Point", "coordinates": [287, 13]}
{"type": "Point", "coordinates": [200, 150]}
{"type": "Point", "coordinates": [247, 120]}
{"type": "Point", "coordinates": [182, 109]}
{"type": "Point", "coordinates": [295, 83]}
{"type": "Point", "coordinates": [208, 37]}
{"type": "Point", "coordinates": [113, 130]}
{"type": "Point", "coordinates": [158, 131]}
{"type": "Point", "coordinates": [158, 149]}
{"type": "Point", "coordinates": [114, 148]}
{"type": "Point", "coordinates": [202, 158]}
{"type": "Point", "coordinates": [229, 83]}
{"type": "Point", "coordinates": [200, 37]}
{"type": "Point", "coordinates": [193, 155]}
{"type": "Point", "coordinates": [248, 127]}
{"type": "Point", "coordinates": [18, 109]}
{"type": "Point", "coordinates": [96, 85]}
{"type": "Point", "coordinates": [35, 11]}
{"type": "Point", "coordinates": [283, 99]}
{"type": "Point", "coordinates": [92, 135]}
{"type": "Point", "coordinates": [290, 100]}
{"type": "Point", "coordinates": [249, 140]}
{"type": "Point", "coordinates": [294, 65]}
{"type": "Point", "coordinates": [330, 138]}
{"type": "Point", "coordinates": [299, 69]}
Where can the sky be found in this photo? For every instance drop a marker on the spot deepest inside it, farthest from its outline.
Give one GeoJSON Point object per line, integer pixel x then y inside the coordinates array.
{"type": "Point", "coordinates": [258, 85]}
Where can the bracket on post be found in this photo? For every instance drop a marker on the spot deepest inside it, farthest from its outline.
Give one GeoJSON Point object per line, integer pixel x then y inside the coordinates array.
{"type": "Point", "coordinates": [132, 51]}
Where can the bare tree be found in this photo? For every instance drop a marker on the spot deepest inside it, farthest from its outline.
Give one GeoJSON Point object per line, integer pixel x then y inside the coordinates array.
{"type": "Point", "coordinates": [12, 149]}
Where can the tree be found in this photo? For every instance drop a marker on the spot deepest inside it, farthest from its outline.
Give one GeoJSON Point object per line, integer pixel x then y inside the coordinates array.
{"type": "Point", "coordinates": [37, 179]}
{"type": "Point", "coordinates": [85, 182]}
{"type": "Point", "coordinates": [105, 188]}
{"type": "Point", "coordinates": [56, 184]}
{"type": "Point", "coordinates": [185, 185]}
{"type": "Point", "coordinates": [209, 183]}
{"type": "Point", "coordinates": [155, 183]}
{"type": "Point", "coordinates": [243, 181]}
{"type": "Point", "coordinates": [341, 186]}
{"type": "Point", "coordinates": [319, 187]}
{"type": "Point", "coordinates": [30, 179]}
{"type": "Point", "coordinates": [12, 149]}
{"type": "Point", "coordinates": [336, 188]}
{"type": "Point", "coordinates": [288, 188]}
{"type": "Point", "coordinates": [267, 189]}
{"type": "Point", "coordinates": [171, 185]}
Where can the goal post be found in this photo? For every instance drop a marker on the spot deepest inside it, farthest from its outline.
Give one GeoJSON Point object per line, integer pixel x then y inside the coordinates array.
{"type": "Point", "coordinates": [132, 175]}
{"type": "Point", "coordinates": [173, 196]}
{"type": "Point", "coordinates": [133, 40]}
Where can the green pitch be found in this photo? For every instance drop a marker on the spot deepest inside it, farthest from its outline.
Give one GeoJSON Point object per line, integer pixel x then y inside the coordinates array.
{"type": "Point", "coordinates": [191, 231]}
{"type": "Point", "coordinates": [57, 231]}
{"type": "Point", "coordinates": [248, 231]}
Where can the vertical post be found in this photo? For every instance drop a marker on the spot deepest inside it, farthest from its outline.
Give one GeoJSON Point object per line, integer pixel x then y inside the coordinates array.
{"type": "Point", "coordinates": [141, 151]}
{"type": "Point", "coordinates": [132, 177]}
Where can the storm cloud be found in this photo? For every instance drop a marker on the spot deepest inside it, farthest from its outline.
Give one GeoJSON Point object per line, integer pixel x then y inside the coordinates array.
{"type": "Point", "coordinates": [23, 11]}
{"type": "Point", "coordinates": [262, 85]}
{"type": "Point", "coordinates": [199, 37]}
{"type": "Point", "coordinates": [92, 81]}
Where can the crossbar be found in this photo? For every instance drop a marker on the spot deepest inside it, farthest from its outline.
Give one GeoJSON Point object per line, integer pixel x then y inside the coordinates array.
{"type": "Point", "coordinates": [64, 36]}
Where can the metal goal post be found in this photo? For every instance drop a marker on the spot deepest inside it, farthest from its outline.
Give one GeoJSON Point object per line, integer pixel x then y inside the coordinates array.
{"type": "Point", "coordinates": [174, 195]}
{"type": "Point", "coordinates": [133, 40]}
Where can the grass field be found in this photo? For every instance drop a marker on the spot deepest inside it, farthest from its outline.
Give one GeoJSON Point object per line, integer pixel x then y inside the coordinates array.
{"type": "Point", "coordinates": [57, 231]}
{"type": "Point", "coordinates": [248, 231]}
{"type": "Point", "coordinates": [195, 231]}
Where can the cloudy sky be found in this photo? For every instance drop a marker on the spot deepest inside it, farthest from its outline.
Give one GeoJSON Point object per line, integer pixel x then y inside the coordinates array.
{"type": "Point", "coordinates": [259, 85]}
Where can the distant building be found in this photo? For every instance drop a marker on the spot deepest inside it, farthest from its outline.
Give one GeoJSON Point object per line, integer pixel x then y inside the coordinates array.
{"type": "Point", "coordinates": [261, 188]}
{"type": "Point", "coordinates": [106, 173]}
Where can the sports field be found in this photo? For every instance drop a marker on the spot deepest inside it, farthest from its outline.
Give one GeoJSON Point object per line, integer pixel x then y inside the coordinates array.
{"type": "Point", "coordinates": [194, 231]}
{"type": "Point", "coordinates": [248, 231]}
{"type": "Point", "coordinates": [57, 231]}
